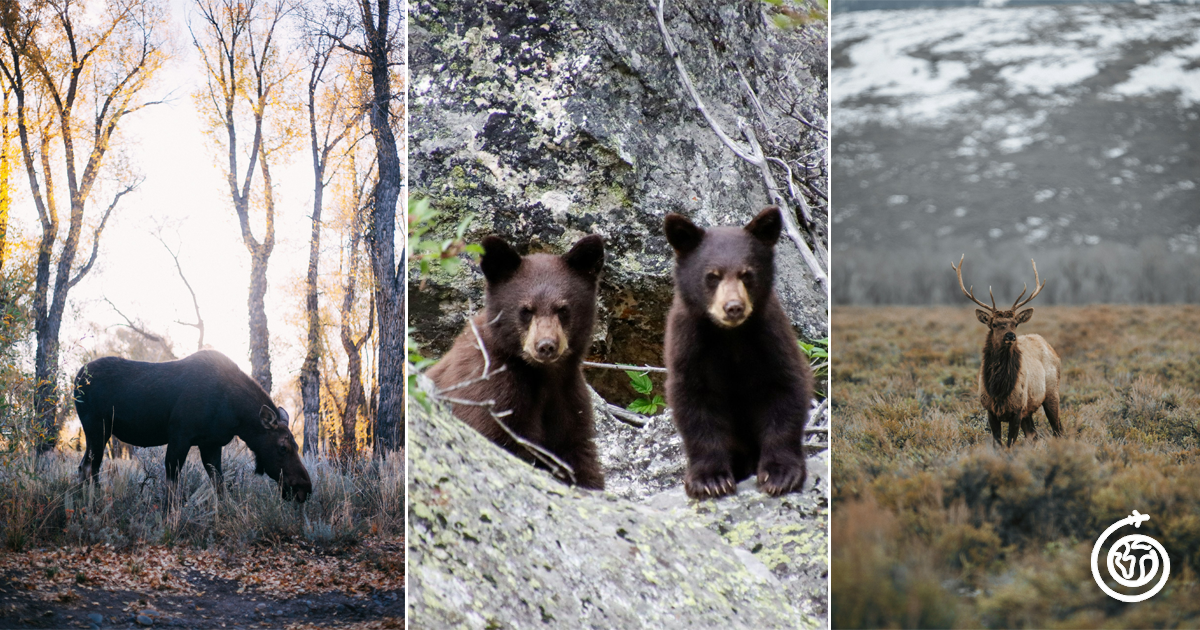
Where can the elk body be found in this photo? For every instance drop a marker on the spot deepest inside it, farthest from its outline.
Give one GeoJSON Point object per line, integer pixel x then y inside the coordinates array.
{"type": "Point", "coordinates": [1017, 374]}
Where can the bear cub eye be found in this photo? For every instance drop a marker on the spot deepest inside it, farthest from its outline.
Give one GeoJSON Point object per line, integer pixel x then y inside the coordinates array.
{"type": "Point", "coordinates": [746, 276]}
{"type": "Point", "coordinates": [562, 312]}
{"type": "Point", "coordinates": [526, 314]}
{"type": "Point", "coordinates": [712, 278]}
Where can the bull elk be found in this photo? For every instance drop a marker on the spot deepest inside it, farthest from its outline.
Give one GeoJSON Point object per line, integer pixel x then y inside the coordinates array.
{"type": "Point", "coordinates": [1018, 374]}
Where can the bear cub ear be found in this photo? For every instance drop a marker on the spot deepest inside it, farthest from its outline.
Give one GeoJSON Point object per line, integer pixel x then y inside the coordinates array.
{"type": "Point", "coordinates": [499, 261]}
{"type": "Point", "coordinates": [766, 226]}
{"type": "Point", "coordinates": [683, 235]}
{"type": "Point", "coordinates": [586, 256]}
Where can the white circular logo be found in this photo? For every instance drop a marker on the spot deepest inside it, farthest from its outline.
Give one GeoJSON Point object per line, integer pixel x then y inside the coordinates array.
{"type": "Point", "coordinates": [1133, 560]}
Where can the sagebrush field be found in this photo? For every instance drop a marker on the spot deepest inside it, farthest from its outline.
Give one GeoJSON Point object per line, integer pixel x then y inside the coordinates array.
{"type": "Point", "coordinates": [933, 526]}
{"type": "Point", "coordinates": [111, 549]}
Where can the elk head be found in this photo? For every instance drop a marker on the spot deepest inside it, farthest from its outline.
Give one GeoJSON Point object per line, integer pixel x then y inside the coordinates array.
{"type": "Point", "coordinates": [1002, 324]}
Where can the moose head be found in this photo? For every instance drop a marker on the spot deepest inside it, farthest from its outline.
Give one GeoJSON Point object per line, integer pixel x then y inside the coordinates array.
{"type": "Point", "coordinates": [277, 455]}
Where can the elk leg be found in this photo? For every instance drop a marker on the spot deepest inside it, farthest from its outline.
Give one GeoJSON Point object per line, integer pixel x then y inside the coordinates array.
{"type": "Point", "coordinates": [994, 425]}
{"type": "Point", "coordinates": [1014, 425]}
{"type": "Point", "coordinates": [1050, 406]}
{"type": "Point", "coordinates": [1028, 427]}
{"type": "Point", "coordinates": [211, 457]}
{"type": "Point", "coordinates": [176, 455]}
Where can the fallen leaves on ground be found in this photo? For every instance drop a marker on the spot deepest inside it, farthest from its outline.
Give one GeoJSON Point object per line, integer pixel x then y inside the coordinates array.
{"type": "Point", "coordinates": [387, 623]}
{"type": "Point", "coordinates": [282, 571]}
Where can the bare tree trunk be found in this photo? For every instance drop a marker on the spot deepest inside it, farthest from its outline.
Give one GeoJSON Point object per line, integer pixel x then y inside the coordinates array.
{"type": "Point", "coordinates": [310, 377]}
{"type": "Point", "coordinates": [5, 173]}
{"type": "Point", "coordinates": [252, 65]}
{"type": "Point", "coordinates": [389, 290]}
{"type": "Point", "coordinates": [321, 51]}
{"type": "Point", "coordinates": [260, 336]}
{"type": "Point", "coordinates": [355, 396]}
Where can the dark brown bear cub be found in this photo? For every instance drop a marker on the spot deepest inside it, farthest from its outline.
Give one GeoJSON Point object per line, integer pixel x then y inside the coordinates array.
{"type": "Point", "coordinates": [536, 327]}
{"type": "Point", "coordinates": [737, 384]}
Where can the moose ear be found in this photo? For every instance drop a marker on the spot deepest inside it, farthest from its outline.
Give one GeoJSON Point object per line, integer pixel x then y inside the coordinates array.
{"type": "Point", "coordinates": [683, 235]}
{"type": "Point", "coordinates": [268, 418]}
{"type": "Point", "coordinates": [984, 317]}
{"type": "Point", "coordinates": [284, 419]}
{"type": "Point", "coordinates": [586, 256]}
{"type": "Point", "coordinates": [767, 225]}
{"type": "Point", "coordinates": [500, 261]}
{"type": "Point", "coordinates": [1024, 316]}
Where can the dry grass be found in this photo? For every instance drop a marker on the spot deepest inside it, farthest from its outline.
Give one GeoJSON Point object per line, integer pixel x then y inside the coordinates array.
{"type": "Point", "coordinates": [935, 527]}
{"type": "Point", "coordinates": [41, 504]}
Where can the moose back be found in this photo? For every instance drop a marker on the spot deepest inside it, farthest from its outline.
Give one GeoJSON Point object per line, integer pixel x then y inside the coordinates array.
{"type": "Point", "coordinates": [203, 400]}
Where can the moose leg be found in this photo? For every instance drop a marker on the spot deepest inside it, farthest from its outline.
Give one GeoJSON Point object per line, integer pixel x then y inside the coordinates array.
{"type": "Point", "coordinates": [96, 439]}
{"type": "Point", "coordinates": [1050, 406]}
{"type": "Point", "coordinates": [176, 455]}
{"type": "Point", "coordinates": [994, 425]}
{"type": "Point", "coordinates": [211, 457]}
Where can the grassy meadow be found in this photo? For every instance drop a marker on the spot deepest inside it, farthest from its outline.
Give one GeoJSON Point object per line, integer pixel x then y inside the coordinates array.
{"type": "Point", "coordinates": [933, 526]}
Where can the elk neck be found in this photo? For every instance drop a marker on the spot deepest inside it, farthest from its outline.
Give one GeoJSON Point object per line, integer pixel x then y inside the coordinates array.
{"type": "Point", "coordinates": [1001, 367]}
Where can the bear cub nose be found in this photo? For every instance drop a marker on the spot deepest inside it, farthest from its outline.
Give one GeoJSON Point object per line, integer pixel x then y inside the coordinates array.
{"type": "Point", "coordinates": [1010, 336]}
{"type": "Point", "coordinates": [546, 348]}
{"type": "Point", "coordinates": [734, 309]}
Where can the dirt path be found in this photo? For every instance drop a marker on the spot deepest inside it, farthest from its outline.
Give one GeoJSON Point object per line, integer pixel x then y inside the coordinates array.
{"type": "Point", "coordinates": [288, 585]}
{"type": "Point", "coordinates": [219, 604]}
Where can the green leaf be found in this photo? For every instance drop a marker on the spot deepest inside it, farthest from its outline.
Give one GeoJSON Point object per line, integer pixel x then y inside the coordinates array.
{"type": "Point", "coordinates": [642, 406]}
{"type": "Point", "coordinates": [640, 381]}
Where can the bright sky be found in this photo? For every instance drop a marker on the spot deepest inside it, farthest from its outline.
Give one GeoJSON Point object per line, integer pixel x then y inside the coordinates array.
{"type": "Point", "coordinates": [186, 191]}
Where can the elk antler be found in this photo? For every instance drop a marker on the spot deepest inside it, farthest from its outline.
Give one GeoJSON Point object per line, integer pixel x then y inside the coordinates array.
{"type": "Point", "coordinates": [971, 293]}
{"type": "Point", "coordinates": [1035, 291]}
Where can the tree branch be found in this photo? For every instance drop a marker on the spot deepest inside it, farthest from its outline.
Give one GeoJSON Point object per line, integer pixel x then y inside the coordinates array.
{"type": "Point", "coordinates": [96, 236]}
{"type": "Point", "coordinates": [753, 155]}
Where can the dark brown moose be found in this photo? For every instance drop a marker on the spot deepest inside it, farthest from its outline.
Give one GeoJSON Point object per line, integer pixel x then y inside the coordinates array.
{"type": "Point", "coordinates": [203, 400]}
{"type": "Point", "coordinates": [1017, 374]}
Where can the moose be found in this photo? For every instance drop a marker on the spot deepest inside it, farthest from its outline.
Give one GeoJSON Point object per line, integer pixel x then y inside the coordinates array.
{"type": "Point", "coordinates": [1017, 374]}
{"type": "Point", "coordinates": [203, 400]}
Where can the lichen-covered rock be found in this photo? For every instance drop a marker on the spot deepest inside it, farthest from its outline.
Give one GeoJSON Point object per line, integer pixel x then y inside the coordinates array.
{"type": "Point", "coordinates": [548, 121]}
{"type": "Point", "coordinates": [494, 543]}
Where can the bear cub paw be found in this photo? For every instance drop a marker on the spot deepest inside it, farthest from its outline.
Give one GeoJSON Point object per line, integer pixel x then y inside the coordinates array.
{"type": "Point", "coordinates": [777, 478]}
{"type": "Point", "coordinates": [707, 484]}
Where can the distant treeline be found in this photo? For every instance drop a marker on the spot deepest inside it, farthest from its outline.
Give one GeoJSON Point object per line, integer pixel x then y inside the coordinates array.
{"type": "Point", "coordinates": [1150, 273]}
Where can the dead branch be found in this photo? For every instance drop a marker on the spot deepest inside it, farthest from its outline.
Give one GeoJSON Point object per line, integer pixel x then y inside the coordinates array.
{"type": "Point", "coordinates": [557, 466]}
{"type": "Point", "coordinates": [624, 366]}
{"type": "Point", "coordinates": [199, 325]}
{"type": "Point", "coordinates": [129, 323]}
{"type": "Point", "coordinates": [752, 155]}
{"type": "Point", "coordinates": [631, 418]}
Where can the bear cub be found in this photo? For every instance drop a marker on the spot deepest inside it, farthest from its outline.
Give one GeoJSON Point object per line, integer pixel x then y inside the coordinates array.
{"type": "Point", "coordinates": [738, 386]}
{"type": "Point", "coordinates": [536, 327]}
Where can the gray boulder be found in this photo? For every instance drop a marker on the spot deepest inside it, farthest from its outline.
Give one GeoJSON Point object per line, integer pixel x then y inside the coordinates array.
{"type": "Point", "coordinates": [548, 121]}
{"type": "Point", "coordinates": [494, 543]}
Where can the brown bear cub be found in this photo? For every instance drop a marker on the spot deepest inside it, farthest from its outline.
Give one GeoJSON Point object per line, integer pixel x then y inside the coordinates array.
{"type": "Point", "coordinates": [536, 327]}
{"type": "Point", "coordinates": [738, 386]}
